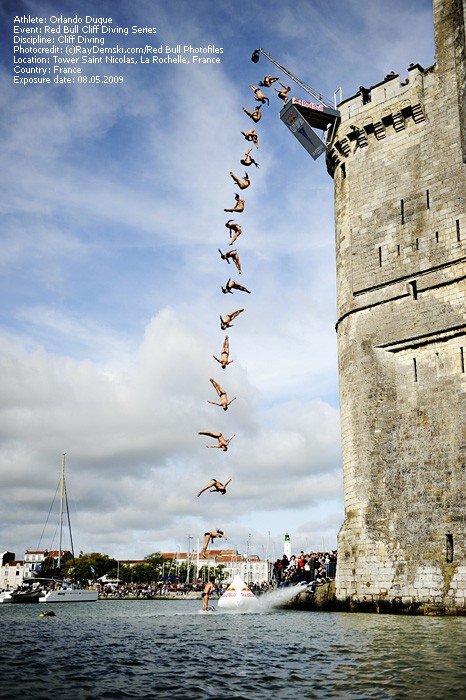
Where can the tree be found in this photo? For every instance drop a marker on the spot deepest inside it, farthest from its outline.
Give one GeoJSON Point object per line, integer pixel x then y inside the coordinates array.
{"type": "Point", "coordinates": [120, 572]}
{"type": "Point", "coordinates": [205, 572]}
{"type": "Point", "coordinates": [159, 565]}
{"type": "Point", "coordinates": [156, 559]}
{"type": "Point", "coordinates": [88, 567]}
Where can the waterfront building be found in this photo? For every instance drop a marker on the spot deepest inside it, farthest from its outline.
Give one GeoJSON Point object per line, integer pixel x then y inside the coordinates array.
{"type": "Point", "coordinates": [251, 569]}
{"type": "Point", "coordinates": [14, 571]}
{"type": "Point", "coordinates": [33, 562]}
{"type": "Point", "coordinates": [11, 571]}
{"type": "Point", "coordinates": [398, 158]}
{"type": "Point", "coordinates": [11, 574]}
{"type": "Point", "coordinates": [231, 563]}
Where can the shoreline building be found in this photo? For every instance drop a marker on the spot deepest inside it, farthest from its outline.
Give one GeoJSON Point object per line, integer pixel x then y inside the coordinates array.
{"type": "Point", "coordinates": [398, 158]}
{"type": "Point", "coordinates": [11, 571]}
{"type": "Point", "coordinates": [250, 567]}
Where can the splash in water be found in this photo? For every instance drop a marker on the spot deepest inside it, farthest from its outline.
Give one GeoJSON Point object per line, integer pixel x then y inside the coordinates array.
{"type": "Point", "coordinates": [266, 602]}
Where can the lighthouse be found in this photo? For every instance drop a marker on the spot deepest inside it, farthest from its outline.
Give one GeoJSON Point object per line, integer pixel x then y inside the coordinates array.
{"type": "Point", "coordinates": [287, 545]}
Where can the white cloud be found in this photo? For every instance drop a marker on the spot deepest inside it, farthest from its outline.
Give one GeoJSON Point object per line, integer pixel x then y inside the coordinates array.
{"type": "Point", "coordinates": [132, 444]}
{"type": "Point", "coordinates": [112, 212]}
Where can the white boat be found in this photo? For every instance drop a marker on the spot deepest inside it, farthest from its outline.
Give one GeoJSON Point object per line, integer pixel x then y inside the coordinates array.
{"type": "Point", "coordinates": [64, 592]}
{"type": "Point", "coordinates": [5, 597]}
{"type": "Point", "coordinates": [70, 595]}
{"type": "Point", "coordinates": [47, 590]}
{"type": "Point", "coordinates": [238, 594]}
{"type": "Point", "coordinates": [55, 590]}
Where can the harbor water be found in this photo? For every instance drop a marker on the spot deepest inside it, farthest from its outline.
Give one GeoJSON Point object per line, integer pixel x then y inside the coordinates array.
{"type": "Point", "coordinates": [166, 649]}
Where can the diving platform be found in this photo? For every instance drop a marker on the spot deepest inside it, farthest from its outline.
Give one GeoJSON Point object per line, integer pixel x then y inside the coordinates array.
{"type": "Point", "coordinates": [303, 117]}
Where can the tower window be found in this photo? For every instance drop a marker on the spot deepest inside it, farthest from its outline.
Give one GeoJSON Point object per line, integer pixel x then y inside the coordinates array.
{"type": "Point", "coordinates": [380, 256]}
{"type": "Point", "coordinates": [436, 236]}
{"type": "Point", "coordinates": [427, 199]}
{"type": "Point", "coordinates": [458, 232]}
{"type": "Point", "coordinates": [402, 211]}
{"type": "Point", "coordinates": [449, 548]}
{"type": "Point", "coordinates": [415, 369]}
{"type": "Point", "coordinates": [462, 359]}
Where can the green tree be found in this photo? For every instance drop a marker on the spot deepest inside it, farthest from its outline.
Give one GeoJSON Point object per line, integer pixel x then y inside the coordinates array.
{"type": "Point", "coordinates": [143, 573]}
{"type": "Point", "coordinates": [205, 572]}
{"type": "Point", "coordinates": [160, 565]}
{"type": "Point", "coordinates": [88, 567]}
{"type": "Point", "coordinates": [156, 559]}
{"type": "Point", "coordinates": [49, 567]}
{"type": "Point", "coordinates": [122, 572]}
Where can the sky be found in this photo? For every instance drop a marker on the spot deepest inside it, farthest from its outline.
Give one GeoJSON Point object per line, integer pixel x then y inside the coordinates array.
{"type": "Point", "coordinates": [112, 202]}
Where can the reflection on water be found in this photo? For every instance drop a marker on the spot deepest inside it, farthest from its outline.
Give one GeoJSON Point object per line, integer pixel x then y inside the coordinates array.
{"type": "Point", "coordinates": [162, 649]}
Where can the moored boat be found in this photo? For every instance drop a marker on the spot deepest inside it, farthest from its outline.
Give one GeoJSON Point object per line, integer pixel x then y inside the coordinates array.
{"type": "Point", "coordinates": [29, 592]}
{"type": "Point", "coordinates": [55, 590]}
{"type": "Point", "coordinates": [64, 591]}
{"type": "Point", "coordinates": [70, 594]}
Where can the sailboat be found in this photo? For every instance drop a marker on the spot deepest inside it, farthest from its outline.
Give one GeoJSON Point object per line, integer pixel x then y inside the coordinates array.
{"type": "Point", "coordinates": [54, 590]}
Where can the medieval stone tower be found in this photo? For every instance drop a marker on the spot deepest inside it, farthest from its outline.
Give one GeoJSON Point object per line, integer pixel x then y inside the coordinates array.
{"type": "Point", "coordinates": [398, 162]}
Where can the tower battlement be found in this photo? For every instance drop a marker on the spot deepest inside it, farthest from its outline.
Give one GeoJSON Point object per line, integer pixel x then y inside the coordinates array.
{"type": "Point", "coordinates": [388, 105]}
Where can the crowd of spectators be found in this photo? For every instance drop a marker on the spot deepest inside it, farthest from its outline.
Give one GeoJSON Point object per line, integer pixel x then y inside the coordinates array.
{"type": "Point", "coordinates": [313, 569]}
{"type": "Point", "coordinates": [169, 588]}
{"type": "Point", "coordinates": [150, 590]}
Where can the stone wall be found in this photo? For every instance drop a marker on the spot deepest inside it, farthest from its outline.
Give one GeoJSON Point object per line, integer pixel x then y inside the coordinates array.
{"type": "Point", "coordinates": [398, 163]}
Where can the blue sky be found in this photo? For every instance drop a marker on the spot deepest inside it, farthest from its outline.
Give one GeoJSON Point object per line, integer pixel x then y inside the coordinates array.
{"type": "Point", "coordinates": [112, 201]}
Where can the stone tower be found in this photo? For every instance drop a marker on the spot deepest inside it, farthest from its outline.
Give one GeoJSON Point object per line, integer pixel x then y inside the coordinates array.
{"type": "Point", "coordinates": [398, 162]}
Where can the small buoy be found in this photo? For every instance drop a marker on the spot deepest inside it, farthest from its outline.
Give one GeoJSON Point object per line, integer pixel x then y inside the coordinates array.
{"type": "Point", "coordinates": [49, 613]}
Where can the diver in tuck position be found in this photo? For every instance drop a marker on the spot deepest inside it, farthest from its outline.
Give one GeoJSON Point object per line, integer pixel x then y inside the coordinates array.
{"type": "Point", "coordinates": [251, 135]}
{"type": "Point", "coordinates": [268, 81]}
{"type": "Point", "coordinates": [259, 95]}
{"type": "Point", "coordinates": [242, 184]}
{"type": "Point", "coordinates": [247, 160]}
{"type": "Point", "coordinates": [256, 115]}
{"type": "Point", "coordinates": [283, 93]}
{"type": "Point", "coordinates": [239, 206]}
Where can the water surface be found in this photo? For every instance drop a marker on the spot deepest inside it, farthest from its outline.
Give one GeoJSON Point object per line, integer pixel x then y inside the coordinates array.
{"type": "Point", "coordinates": [161, 649]}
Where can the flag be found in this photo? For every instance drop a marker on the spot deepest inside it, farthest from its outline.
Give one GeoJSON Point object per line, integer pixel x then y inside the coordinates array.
{"type": "Point", "coordinates": [92, 570]}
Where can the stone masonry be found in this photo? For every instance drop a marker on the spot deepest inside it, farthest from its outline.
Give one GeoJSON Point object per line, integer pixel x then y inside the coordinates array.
{"type": "Point", "coordinates": [399, 168]}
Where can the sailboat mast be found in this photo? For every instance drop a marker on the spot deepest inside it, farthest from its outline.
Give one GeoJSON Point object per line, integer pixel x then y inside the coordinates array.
{"type": "Point", "coordinates": [62, 498]}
